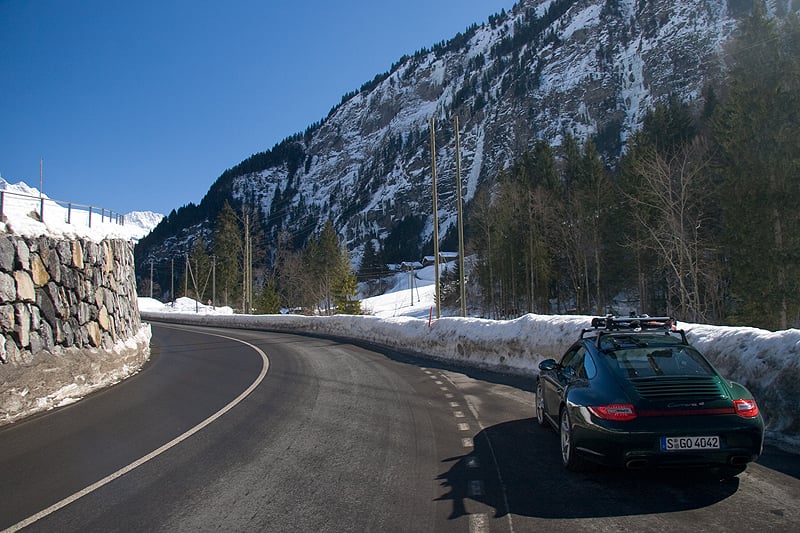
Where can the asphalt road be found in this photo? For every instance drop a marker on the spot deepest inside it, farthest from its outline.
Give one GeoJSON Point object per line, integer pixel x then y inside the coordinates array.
{"type": "Point", "coordinates": [249, 431]}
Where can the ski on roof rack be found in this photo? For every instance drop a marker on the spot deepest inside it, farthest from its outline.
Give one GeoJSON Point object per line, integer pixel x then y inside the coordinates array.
{"type": "Point", "coordinates": [611, 323]}
{"type": "Point", "coordinates": [607, 325]}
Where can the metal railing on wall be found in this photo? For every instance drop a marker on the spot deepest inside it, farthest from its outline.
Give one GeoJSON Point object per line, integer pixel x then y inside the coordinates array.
{"type": "Point", "coordinates": [71, 212]}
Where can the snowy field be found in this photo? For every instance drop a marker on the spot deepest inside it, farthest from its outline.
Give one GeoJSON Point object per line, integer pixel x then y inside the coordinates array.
{"type": "Point", "coordinates": [20, 202]}
{"type": "Point", "coordinates": [768, 363]}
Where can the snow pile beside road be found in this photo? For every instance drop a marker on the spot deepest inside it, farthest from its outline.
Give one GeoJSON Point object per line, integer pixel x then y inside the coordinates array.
{"type": "Point", "coordinates": [56, 379]}
{"type": "Point", "coordinates": [767, 363]}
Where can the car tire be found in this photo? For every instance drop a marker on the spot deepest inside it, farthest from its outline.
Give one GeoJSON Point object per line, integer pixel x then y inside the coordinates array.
{"type": "Point", "coordinates": [569, 457]}
{"type": "Point", "coordinates": [540, 418]}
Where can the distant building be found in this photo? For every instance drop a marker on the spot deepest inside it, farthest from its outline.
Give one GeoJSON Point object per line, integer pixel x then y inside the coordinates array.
{"type": "Point", "coordinates": [444, 257]}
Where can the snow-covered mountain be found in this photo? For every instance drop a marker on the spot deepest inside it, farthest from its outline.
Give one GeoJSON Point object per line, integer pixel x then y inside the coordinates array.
{"type": "Point", "coordinates": [589, 68]}
{"type": "Point", "coordinates": [145, 220]}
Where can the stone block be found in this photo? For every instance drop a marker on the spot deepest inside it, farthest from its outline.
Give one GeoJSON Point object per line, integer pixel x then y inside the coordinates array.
{"type": "Point", "coordinates": [95, 336]}
{"type": "Point", "coordinates": [25, 290]}
{"type": "Point", "coordinates": [8, 253]}
{"type": "Point", "coordinates": [40, 274]}
{"type": "Point", "coordinates": [77, 255]}
{"type": "Point", "coordinates": [23, 260]}
{"type": "Point", "coordinates": [22, 325]}
{"type": "Point", "coordinates": [7, 320]}
{"type": "Point", "coordinates": [8, 288]}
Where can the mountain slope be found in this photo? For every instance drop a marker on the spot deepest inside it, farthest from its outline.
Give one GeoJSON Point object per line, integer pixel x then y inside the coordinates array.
{"type": "Point", "coordinates": [590, 68]}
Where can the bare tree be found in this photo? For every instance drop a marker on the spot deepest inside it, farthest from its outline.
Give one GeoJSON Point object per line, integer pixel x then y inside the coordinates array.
{"type": "Point", "coordinates": [672, 205]}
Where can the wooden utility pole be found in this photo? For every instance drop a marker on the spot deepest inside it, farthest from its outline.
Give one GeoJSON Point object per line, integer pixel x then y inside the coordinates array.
{"type": "Point", "coordinates": [460, 224]}
{"type": "Point", "coordinates": [435, 215]}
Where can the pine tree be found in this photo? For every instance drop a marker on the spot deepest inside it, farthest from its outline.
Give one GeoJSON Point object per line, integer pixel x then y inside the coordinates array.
{"type": "Point", "coordinates": [227, 247]}
{"type": "Point", "coordinates": [757, 133]}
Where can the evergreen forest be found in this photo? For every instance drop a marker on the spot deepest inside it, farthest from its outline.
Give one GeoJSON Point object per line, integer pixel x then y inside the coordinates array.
{"type": "Point", "coordinates": [698, 219]}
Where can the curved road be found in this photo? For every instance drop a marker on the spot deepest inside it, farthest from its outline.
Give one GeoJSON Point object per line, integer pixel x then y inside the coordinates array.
{"type": "Point", "coordinates": [250, 431]}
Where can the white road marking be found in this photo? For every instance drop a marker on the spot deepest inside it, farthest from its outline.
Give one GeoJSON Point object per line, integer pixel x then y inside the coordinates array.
{"type": "Point", "coordinates": [463, 427]}
{"type": "Point", "coordinates": [458, 414]}
{"type": "Point", "coordinates": [466, 442]}
{"type": "Point", "coordinates": [438, 382]}
{"type": "Point", "coordinates": [454, 404]}
{"type": "Point", "coordinates": [478, 523]}
{"type": "Point", "coordinates": [155, 453]}
{"type": "Point", "coordinates": [448, 396]}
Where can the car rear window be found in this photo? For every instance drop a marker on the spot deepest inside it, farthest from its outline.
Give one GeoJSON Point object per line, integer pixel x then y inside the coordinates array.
{"type": "Point", "coordinates": [662, 360]}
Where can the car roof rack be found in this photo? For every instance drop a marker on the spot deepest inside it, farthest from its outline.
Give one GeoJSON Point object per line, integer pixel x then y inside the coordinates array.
{"type": "Point", "coordinates": [610, 324]}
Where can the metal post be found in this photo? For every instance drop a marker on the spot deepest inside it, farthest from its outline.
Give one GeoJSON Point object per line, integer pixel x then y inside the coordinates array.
{"type": "Point", "coordinates": [151, 278]}
{"type": "Point", "coordinates": [2, 202]}
{"type": "Point", "coordinates": [69, 212]}
{"type": "Point", "coordinates": [460, 225]}
{"type": "Point", "coordinates": [90, 216]}
{"type": "Point", "coordinates": [172, 281]}
{"type": "Point", "coordinates": [435, 216]}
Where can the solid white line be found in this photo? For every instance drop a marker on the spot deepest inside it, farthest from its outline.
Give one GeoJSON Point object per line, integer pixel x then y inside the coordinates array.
{"type": "Point", "coordinates": [155, 453]}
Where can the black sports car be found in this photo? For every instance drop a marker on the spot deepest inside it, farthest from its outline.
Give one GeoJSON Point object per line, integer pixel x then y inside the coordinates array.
{"type": "Point", "coordinates": [632, 392]}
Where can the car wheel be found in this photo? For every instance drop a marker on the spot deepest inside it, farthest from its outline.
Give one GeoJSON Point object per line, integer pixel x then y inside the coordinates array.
{"type": "Point", "coordinates": [540, 406]}
{"type": "Point", "coordinates": [568, 456]}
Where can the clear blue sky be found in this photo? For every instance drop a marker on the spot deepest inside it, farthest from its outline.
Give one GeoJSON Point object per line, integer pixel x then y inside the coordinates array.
{"type": "Point", "coordinates": [141, 105]}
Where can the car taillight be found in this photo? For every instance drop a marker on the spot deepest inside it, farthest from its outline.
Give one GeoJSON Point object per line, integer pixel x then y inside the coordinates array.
{"type": "Point", "coordinates": [615, 411]}
{"type": "Point", "coordinates": [745, 408]}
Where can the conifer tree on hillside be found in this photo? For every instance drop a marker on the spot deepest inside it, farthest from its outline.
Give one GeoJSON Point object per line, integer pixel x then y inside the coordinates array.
{"type": "Point", "coordinates": [227, 248]}
{"type": "Point", "coordinates": [756, 128]}
{"type": "Point", "coordinates": [328, 266]}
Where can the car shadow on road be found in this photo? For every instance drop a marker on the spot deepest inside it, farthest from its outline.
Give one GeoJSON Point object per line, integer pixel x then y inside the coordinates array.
{"type": "Point", "coordinates": [533, 483]}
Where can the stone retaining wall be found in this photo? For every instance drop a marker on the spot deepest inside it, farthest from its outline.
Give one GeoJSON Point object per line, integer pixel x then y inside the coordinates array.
{"type": "Point", "coordinates": [75, 293]}
{"type": "Point", "coordinates": [68, 309]}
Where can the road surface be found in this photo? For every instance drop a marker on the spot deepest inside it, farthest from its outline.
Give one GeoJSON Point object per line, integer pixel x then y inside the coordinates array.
{"type": "Point", "coordinates": [229, 430]}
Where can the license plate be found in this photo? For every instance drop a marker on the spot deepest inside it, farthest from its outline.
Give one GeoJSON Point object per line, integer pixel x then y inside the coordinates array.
{"type": "Point", "coordinates": [670, 444]}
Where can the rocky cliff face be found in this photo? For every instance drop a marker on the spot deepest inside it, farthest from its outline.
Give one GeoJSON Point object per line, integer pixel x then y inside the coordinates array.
{"type": "Point", "coordinates": [589, 68]}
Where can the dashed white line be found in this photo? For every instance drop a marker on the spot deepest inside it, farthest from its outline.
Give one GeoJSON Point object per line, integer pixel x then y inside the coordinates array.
{"type": "Point", "coordinates": [458, 414]}
{"type": "Point", "coordinates": [466, 442]}
{"type": "Point", "coordinates": [478, 523]}
{"type": "Point", "coordinates": [463, 427]}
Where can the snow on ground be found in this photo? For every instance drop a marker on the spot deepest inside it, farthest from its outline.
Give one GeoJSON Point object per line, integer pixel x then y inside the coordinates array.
{"type": "Point", "coordinates": [30, 214]}
{"type": "Point", "coordinates": [403, 319]}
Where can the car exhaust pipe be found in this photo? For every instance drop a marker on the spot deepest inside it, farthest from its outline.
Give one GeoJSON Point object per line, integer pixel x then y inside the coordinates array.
{"type": "Point", "coordinates": [739, 460]}
{"type": "Point", "coordinates": [634, 464]}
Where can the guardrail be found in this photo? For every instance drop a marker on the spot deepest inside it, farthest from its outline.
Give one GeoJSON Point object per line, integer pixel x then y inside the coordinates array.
{"type": "Point", "coordinates": [70, 211]}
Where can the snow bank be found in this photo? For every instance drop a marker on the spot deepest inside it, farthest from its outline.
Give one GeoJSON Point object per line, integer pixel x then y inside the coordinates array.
{"type": "Point", "coordinates": [767, 363]}
{"type": "Point", "coordinates": [55, 379]}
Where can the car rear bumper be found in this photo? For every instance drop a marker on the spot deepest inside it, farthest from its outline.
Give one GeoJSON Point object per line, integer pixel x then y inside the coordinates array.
{"type": "Point", "coordinates": [637, 444]}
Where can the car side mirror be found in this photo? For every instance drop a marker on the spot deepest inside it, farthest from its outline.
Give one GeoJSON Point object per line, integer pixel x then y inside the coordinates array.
{"type": "Point", "coordinates": [548, 365]}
